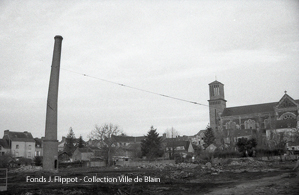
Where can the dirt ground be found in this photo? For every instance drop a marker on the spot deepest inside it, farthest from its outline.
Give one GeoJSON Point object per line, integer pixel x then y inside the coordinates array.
{"type": "Point", "coordinates": [270, 178]}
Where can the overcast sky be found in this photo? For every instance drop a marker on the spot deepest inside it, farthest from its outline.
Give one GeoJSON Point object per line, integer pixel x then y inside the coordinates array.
{"type": "Point", "coordinates": [174, 48]}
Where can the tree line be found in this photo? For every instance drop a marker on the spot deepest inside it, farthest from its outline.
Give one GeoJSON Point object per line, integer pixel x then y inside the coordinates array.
{"type": "Point", "coordinates": [151, 146]}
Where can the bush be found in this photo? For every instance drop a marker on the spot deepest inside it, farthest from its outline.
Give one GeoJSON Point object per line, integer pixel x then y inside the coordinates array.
{"type": "Point", "coordinates": [70, 164]}
{"type": "Point", "coordinates": [269, 152]}
{"type": "Point", "coordinates": [5, 160]}
{"type": "Point", "coordinates": [206, 156]}
{"type": "Point", "coordinates": [178, 158]}
{"type": "Point", "coordinates": [246, 146]}
{"type": "Point", "coordinates": [38, 160]}
{"type": "Point", "coordinates": [227, 154]}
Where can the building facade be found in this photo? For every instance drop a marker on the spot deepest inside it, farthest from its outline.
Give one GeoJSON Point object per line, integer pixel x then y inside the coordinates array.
{"type": "Point", "coordinates": [21, 144]}
{"type": "Point", "coordinates": [251, 120]}
{"type": "Point", "coordinates": [38, 147]}
{"type": "Point", "coordinates": [177, 147]}
{"type": "Point", "coordinates": [82, 154]}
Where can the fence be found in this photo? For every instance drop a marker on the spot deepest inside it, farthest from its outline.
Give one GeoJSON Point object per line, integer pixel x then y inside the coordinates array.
{"type": "Point", "coordinates": [3, 180]}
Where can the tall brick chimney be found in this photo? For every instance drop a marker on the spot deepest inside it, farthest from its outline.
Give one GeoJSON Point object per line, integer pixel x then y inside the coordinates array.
{"type": "Point", "coordinates": [50, 143]}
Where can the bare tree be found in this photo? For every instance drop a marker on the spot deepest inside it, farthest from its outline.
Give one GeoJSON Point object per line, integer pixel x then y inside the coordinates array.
{"type": "Point", "coordinates": [277, 140]}
{"type": "Point", "coordinates": [104, 135]}
{"type": "Point", "coordinates": [105, 131]}
{"type": "Point", "coordinates": [171, 133]}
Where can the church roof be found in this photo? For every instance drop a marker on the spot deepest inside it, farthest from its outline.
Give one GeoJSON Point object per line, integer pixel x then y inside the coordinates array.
{"type": "Point", "coordinates": [257, 108]}
{"type": "Point", "coordinates": [249, 109]}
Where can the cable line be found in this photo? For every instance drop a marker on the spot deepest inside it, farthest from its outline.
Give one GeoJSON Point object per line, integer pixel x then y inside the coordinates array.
{"type": "Point", "coordinates": [143, 90]}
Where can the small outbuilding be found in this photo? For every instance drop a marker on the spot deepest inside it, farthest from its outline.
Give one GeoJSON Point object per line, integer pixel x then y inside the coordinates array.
{"type": "Point", "coordinates": [82, 154]}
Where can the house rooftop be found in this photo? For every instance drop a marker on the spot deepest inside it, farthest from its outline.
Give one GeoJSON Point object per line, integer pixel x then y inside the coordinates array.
{"type": "Point", "coordinates": [201, 131]}
{"type": "Point", "coordinates": [38, 142]}
{"type": "Point", "coordinates": [18, 136]}
{"type": "Point", "coordinates": [128, 139]}
{"type": "Point", "coordinates": [175, 143]}
{"type": "Point", "coordinates": [84, 150]}
{"type": "Point", "coordinates": [4, 143]}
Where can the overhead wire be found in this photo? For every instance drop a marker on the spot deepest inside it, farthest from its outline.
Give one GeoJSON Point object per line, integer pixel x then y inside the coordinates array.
{"type": "Point", "coordinates": [135, 88]}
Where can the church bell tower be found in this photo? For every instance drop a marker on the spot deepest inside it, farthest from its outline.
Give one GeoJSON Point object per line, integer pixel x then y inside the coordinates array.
{"type": "Point", "coordinates": [217, 103]}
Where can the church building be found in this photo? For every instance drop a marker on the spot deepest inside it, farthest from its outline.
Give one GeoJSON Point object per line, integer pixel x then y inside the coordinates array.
{"type": "Point", "coordinates": [247, 120]}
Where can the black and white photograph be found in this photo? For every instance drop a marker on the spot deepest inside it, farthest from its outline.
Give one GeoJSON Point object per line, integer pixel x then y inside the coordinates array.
{"type": "Point", "coordinates": [146, 97]}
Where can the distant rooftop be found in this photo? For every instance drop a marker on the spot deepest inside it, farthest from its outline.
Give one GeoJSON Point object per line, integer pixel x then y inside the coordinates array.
{"type": "Point", "coordinates": [18, 136]}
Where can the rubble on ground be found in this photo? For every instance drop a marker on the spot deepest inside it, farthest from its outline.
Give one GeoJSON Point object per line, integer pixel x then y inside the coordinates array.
{"type": "Point", "coordinates": [169, 166]}
{"type": "Point", "coordinates": [26, 169]}
{"type": "Point", "coordinates": [215, 167]}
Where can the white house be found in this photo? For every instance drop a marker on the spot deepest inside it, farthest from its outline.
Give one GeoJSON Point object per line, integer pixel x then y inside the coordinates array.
{"type": "Point", "coordinates": [21, 144]}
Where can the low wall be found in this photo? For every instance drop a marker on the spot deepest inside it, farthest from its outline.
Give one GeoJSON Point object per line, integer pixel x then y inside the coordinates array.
{"type": "Point", "coordinates": [97, 164]}
{"type": "Point", "coordinates": [282, 157]}
{"type": "Point", "coordinates": [141, 163]}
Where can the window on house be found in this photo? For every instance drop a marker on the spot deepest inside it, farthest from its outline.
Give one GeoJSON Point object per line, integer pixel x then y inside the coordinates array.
{"type": "Point", "coordinates": [29, 154]}
{"type": "Point", "coordinates": [0, 147]}
{"type": "Point", "coordinates": [37, 153]}
{"type": "Point", "coordinates": [17, 146]}
{"type": "Point", "coordinates": [29, 147]}
{"type": "Point", "coordinates": [180, 147]}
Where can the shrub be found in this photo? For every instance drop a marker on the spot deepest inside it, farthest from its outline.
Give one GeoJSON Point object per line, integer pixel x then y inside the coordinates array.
{"type": "Point", "coordinates": [5, 160]}
{"type": "Point", "coordinates": [70, 164]}
{"type": "Point", "coordinates": [206, 156]}
{"type": "Point", "coordinates": [246, 146]}
{"type": "Point", "coordinates": [38, 160]}
{"type": "Point", "coordinates": [227, 154]}
{"type": "Point", "coordinates": [269, 152]}
{"type": "Point", "coordinates": [178, 158]}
